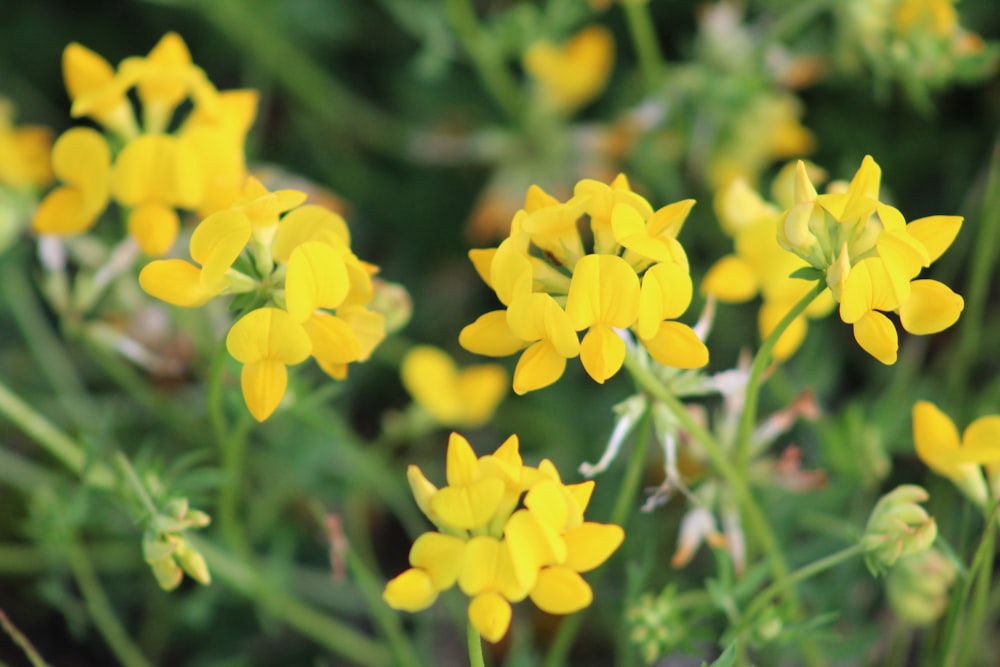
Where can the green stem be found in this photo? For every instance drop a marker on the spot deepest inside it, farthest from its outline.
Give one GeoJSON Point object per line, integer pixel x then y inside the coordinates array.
{"type": "Point", "coordinates": [801, 574]}
{"type": "Point", "coordinates": [387, 621]}
{"type": "Point", "coordinates": [475, 647]}
{"type": "Point", "coordinates": [981, 273]}
{"type": "Point", "coordinates": [214, 395]}
{"type": "Point", "coordinates": [647, 46]}
{"type": "Point", "coordinates": [132, 477]}
{"type": "Point", "coordinates": [30, 651]}
{"type": "Point", "coordinates": [100, 609]}
{"type": "Point", "coordinates": [57, 443]}
{"type": "Point", "coordinates": [489, 63]}
{"type": "Point", "coordinates": [560, 645]}
{"type": "Point", "coordinates": [233, 457]}
{"type": "Point", "coordinates": [761, 361]}
{"type": "Point", "coordinates": [304, 618]}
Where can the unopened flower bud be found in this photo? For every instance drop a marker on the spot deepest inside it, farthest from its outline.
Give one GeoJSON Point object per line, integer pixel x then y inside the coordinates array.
{"type": "Point", "coordinates": [168, 574]}
{"type": "Point", "coordinates": [655, 625]}
{"type": "Point", "coordinates": [918, 586]}
{"type": "Point", "coordinates": [898, 527]}
{"type": "Point", "coordinates": [192, 562]}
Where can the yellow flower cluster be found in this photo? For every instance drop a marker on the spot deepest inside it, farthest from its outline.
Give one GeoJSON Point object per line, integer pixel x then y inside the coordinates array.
{"type": "Point", "coordinates": [759, 265]}
{"type": "Point", "coordinates": [636, 278]}
{"type": "Point", "coordinates": [497, 546]}
{"type": "Point", "coordinates": [870, 258]}
{"type": "Point", "coordinates": [309, 291]}
{"type": "Point", "coordinates": [198, 165]}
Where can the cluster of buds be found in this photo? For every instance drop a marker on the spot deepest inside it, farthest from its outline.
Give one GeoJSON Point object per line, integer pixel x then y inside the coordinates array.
{"type": "Point", "coordinates": [506, 531]}
{"type": "Point", "coordinates": [635, 277]}
{"type": "Point", "coordinates": [918, 586]}
{"type": "Point", "coordinates": [167, 552]}
{"type": "Point", "coordinates": [656, 625]}
{"type": "Point", "coordinates": [898, 526]}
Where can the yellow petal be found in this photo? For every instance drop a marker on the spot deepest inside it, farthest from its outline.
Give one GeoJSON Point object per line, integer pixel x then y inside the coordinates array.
{"type": "Point", "coordinates": [604, 289]}
{"type": "Point", "coordinates": [932, 307]}
{"type": "Point", "coordinates": [856, 296]}
{"type": "Point", "coordinates": [548, 504]}
{"type": "Point", "coordinates": [934, 437]}
{"type": "Point", "coordinates": [573, 74]}
{"type": "Point", "coordinates": [217, 241]}
{"type": "Point", "coordinates": [441, 556]}
{"type": "Point", "coordinates": [981, 441]}
{"type": "Point", "coordinates": [790, 341]}
{"type": "Point", "coordinates": [581, 493]}
{"type": "Point", "coordinates": [469, 506]}
{"type": "Point", "coordinates": [481, 389]}
{"type": "Point", "coordinates": [731, 280]}
{"type": "Point", "coordinates": [423, 490]}
{"type": "Point", "coordinates": [532, 545]}
{"type": "Point", "coordinates": [490, 614]}
{"type": "Point", "coordinates": [590, 544]}
{"type": "Point", "coordinates": [316, 278]}
{"type": "Point", "coordinates": [154, 227]}
{"type": "Point", "coordinates": [429, 375]}
{"type": "Point", "coordinates": [560, 590]}
{"type": "Point", "coordinates": [936, 233]}
{"type": "Point", "coordinates": [480, 565]}
{"type": "Point", "coordinates": [264, 383]}
{"type": "Point", "coordinates": [309, 223]}
{"type": "Point", "coordinates": [333, 340]}
{"type": "Point", "coordinates": [410, 591]}
{"type": "Point", "coordinates": [62, 212]}
{"type": "Point", "coordinates": [665, 295]}
{"type": "Point", "coordinates": [462, 466]}
{"type": "Point", "coordinates": [367, 325]}
{"type": "Point", "coordinates": [602, 352]}
{"type": "Point", "coordinates": [175, 281]}
{"type": "Point", "coordinates": [677, 345]}
{"type": "Point", "coordinates": [268, 334]}
{"type": "Point", "coordinates": [877, 336]}
{"type": "Point", "coordinates": [158, 168]}
{"type": "Point", "coordinates": [539, 317]}
{"type": "Point", "coordinates": [539, 366]}
{"type": "Point", "coordinates": [490, 335]}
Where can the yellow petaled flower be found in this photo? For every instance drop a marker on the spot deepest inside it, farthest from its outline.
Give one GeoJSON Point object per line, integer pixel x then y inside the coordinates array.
{"type": "Point", "coordinates": [938, 445]}
{"type": "Point", "coordinates": [465, 397]}
{"type": "Point", "coordinates": [199, 167]}
{"type": "Point", "coordinates": [760, 265]}
{"type": "Point", "coordinates": [870, 258]}
{"type": "Point", "coordinates": [315, 289]}
{"type": "Point", "coordinates": [635, 280]}
{"type": "Point", "coordinates": [571, 75]}
{"type": "Point", "coordinates": [506, 531]}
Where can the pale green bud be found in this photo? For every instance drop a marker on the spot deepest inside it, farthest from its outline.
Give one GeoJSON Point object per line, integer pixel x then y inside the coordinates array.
{"type": "Point", "coordinates": [655, 625]}
{"type": "Point", "coordinates": [168, 574]}
{"type": "Point", "coordinates": [898, 527]}
{"type": "Point", "coordinates": [918, 586]}
{"type": "Point", "coordinates": [193, 562]}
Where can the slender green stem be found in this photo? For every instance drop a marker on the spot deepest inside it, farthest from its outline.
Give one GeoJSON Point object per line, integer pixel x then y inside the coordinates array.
{"type": "Point", "coordinates": [647, 46]}
{"type": "Point", "coordinates": [760, 363]}
{"type": "Point", "coordinates": [489, 63]}
{"type": "Point", "coordinates": [132, 477]}
{"type": "Point", "coordinates": [304, 618]}
{"type": "Point", "coordinates": [30, 651]}
{"type": "Point", "coordinates": [981, 274]}
{"type": "Point", "coordinates": [801, 574]}
{"type": "Point", "coordinates": [560, 644]}
{"type": "Point", "coordinates": [233, 457]}
{"type": "Point", "coordinates": [387, 620]}
{"type": "Point", "coordinates": [982, 563]}
{"type": "Point", "coordinates": [53, 440]}
{"type": "Point", "coordinates": [100, 609]}
{"type": "Point", "coordinates": [214, 397]}
{"type": "Point", "coordinates": [475, 647]}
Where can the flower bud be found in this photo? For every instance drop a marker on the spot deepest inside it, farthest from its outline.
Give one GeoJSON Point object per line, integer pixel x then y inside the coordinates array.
{"type": "Point", "coordinates": [655, 625]}
{"type": "Point", "coordinates": [898, 527]}
{"type": "Point", "coordinates": [192, 562]}
{"type": "Point", "coordinates": [918, 586]}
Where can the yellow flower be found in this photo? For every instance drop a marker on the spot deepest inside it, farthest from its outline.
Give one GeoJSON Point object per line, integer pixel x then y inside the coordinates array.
{"type": "Point", "coordinates": [635, 280]}
{"type": "Point", "coordinates": [496, 553]}
{"type": "Point", "coordinates": [90, 80]}
{"type": "Point", "coordinates": [760, 265]}
{"type": "Point", "coordinates": [572, 75]}
{"type": "Point", "coordinates": [265, 341]}
{"type": "Point", "coordinates": [870, 258]}
{"type": "Point", "coordinates": [938, 445]}
{"type": "Point", "coordinates": [453, 397]}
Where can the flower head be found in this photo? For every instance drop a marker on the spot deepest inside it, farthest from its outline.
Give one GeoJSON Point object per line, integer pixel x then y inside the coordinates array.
{"type": "Point", "coordinates": [635, 280]}
{"type": "Point", "coordinates": [506, 531]}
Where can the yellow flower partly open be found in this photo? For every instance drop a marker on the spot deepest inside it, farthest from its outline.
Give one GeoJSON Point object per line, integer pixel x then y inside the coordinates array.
{"type": "Point", "coordinates": [506, 532]}
{"type": "Point", "coordinates": [571, 75]}
{"type": "Point", "coordinates": [465, 397]}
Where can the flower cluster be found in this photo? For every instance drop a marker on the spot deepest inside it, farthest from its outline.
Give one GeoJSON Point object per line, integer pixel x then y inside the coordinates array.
{"type": "Point", "coordinates": [759, 264]}
{"type": "Point", "coordinates": [306, 292]}
{"type": "Point", "coordinates": [151, 168]}
{"type": "Point", "coordinates": [870, 258]}
{"type": "Point", "coordinates": [506, 531]}
{"type": "Point", "coordinates": [635, 278]}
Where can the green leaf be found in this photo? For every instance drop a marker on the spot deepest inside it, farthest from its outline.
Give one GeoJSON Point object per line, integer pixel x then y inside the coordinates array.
{"type": "Point", "coordinates": [727, 659]}
{"type": "Point", "coordinates": [810, 273]}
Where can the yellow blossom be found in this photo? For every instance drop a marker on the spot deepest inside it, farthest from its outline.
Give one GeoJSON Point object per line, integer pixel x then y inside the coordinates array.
{"type": "Point", "coordinates": [82, 161]}
{"type": "Point", "coordinates": [465, 397]}
{"type": "Point", "coordinates": [24, 152]}
{"type": "Point", "coordinates": [571, 75]}
{"type": "Point", "coordinates": [634, 282]}
{"type": "Point", "coordinates": [495, 552]}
